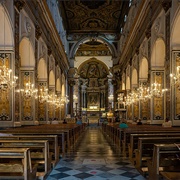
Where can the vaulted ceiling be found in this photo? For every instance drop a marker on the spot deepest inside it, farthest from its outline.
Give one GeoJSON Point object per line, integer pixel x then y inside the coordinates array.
{"type": "Point", "coordinates": [94, 19]}
{"type": "Point", "coordinates": [93, 16]}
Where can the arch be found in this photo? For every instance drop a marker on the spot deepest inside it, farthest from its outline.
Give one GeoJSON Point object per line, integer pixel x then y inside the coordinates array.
{"type": "Point", "coordinates": [26, 53]}
{"type": "Point", "coordinates": [6, 31]}
{"type": "Point", "coordinates": [58, 85]}
{"type": "Point", "coordinates": [83, 68]}
{"type": "Point", "coordinates": [175, 40]}
{"type": "Point", "coordinates": [42, 69]}
{"type": "Point", "coordinates": [143, 69]}
{"type": "Point", "coordinates": [123, 81]}
{"type": "Point", "coordinates": [51, 78]}
{"type": "Point", "coordinates": [134, 77]}
{"type": "Point", "coordinates": [87, 39]}
{"type": "Point", "coordinates": [63, 87]}
{"type": "Point", "coordinates": [123, 86]}
{"type": "Point", "coordinates": [128, 84]}
{"type": "Point", "coordinates": [158, 53]}
{"type": "Point", "coordinates": [63, 90]}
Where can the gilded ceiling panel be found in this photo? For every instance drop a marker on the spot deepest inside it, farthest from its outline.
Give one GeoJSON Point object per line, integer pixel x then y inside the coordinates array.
{"type": "Point", "coordinates": [89, 16]}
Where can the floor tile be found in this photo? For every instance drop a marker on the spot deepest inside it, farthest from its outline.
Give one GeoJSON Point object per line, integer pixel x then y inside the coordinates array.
{"type": "Point", "coordinates": [63, 169]}
{"type": "Point", "coordinates": [94, 158]}
{"type": "Point", "coordinates": [83, 175]}
{"type": "Point", "coordinates": [106, 175]}
{"type": "Point", "coordinates": [59, 175]}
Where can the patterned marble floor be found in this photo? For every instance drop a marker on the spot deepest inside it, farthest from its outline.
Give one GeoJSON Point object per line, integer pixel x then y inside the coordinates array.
{"type": "Point", "coordinates": [94, 159]}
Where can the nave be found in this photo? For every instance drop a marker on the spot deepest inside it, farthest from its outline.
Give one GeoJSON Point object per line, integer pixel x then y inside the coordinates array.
{"type": "Point", "coordinates": [94, 158]}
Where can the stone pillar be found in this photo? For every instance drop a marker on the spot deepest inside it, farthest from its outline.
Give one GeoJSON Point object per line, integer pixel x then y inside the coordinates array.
{"type": "Point", "coordinates": [18, 5]}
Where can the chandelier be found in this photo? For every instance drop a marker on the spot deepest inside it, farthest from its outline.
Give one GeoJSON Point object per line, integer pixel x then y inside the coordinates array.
{"type": "Point", "coordinates": [43, 95]}
{"type": "Point", "coordinates": [29, 91]}
{"type": "Point", "coordinates": [157, 90]}
{"type": "Point", "coordinates": [131, 98]}
{"type": "Point", "coordinates": [65, 99]}
{"type": "Point", "coordinates": [7, 81]}
{"type": "Point", "coordinates": [59, 102]}
{"type": "Point", "coordinates": [175, 78]}
{"type": "Point", "coordinates": [120, 97]}
{"type": "Point", "coordinates": [52, 99]}
{"type": "Point", "coordinates": [128, 100]}
{"type": "Point", "coordinates": [134, 96]}
{"type": "Point", "coordinates": [111, 97]}
{"type": "Point", "coordinates": [144, 92]}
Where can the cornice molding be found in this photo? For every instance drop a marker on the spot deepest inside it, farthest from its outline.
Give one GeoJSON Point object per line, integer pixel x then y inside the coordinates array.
{"type": "Point", "coordinates": [140, 27]}
{"type": "Point", "coordinates": [46, 28]}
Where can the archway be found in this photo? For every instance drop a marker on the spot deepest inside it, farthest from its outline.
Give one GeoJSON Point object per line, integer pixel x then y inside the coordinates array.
{"type": "Point", "coordinates": [42, 69]}
{"type": "Point", "coordinates": [94, 88]}
{"type": "Point", "coordinates": [143, 69]}
{"type": "Point", "coordinates": [134, 78]}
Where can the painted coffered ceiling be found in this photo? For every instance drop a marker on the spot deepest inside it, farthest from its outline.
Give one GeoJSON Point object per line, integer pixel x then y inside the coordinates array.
{"type": "Point", "coordinates": [93, 21]}
{"type": "Point", "coordinates": [93, 16]}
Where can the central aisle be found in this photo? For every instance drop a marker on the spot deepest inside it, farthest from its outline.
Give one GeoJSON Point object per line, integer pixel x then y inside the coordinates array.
{"type": "Point", "coordinates": [94, 159]}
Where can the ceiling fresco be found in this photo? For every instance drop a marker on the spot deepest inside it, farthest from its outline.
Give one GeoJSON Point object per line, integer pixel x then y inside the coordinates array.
{"type": "Point", "coordinates": [93, 49]}
{"type": "Point", "coordinates": [83, 16]}
{"type": "Point", "coordinates": [93, 69]}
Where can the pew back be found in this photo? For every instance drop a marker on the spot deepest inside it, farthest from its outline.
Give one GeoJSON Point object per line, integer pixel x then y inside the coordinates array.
{"type": "Point", "coordinates": [52, 139]}
{"type": "Point", "coordinates": [162, 153]}
{"type": "Point", "coordinates": [22, 170]}
{"type": "Point", "coordinates": [39, 151]}
{"type": "Point", "coordinates": [134, 141]}
{"type": "Point", "coordinates": [145, 150]}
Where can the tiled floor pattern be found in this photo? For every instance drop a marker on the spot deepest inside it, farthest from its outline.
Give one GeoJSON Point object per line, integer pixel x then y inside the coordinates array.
{"type": "Point", "coordinates": [94, 159]}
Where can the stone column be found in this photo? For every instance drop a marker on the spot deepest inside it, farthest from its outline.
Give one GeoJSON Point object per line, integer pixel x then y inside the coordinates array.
{"type": "Point", "coordinates": [18, 5]}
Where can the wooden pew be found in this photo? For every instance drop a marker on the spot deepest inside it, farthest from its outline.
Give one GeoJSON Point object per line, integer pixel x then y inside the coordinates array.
{"type": "Point", "coordinates": [112, 132]}
{"type": "Point", "coordinates": [36, 131]}
{"type": "Point", "coordinates": [145, 150]}
{"type": "Point", "coordinates": [134, 141]}
{"type": "Point", "coordinates": [52, 139]}
{"type": "Point", "coordinates": [143, 129]}
{"type": "Point", "coordinates": [39, 152]}
{"type": "Point", "coordinates": [164, 159]}
{"type": "Point", "coordinates": [21, 168]}
{"type": "Point", "coordinates": [67, 133]}
{"type": "Point", "coordinates": [170, 175]}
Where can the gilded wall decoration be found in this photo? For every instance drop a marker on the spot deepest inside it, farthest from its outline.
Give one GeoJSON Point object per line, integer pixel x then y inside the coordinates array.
{"type": "Point", "coordinates": [62, 112]}
{"type": "Point", "coordinates": [177, 91]}
{"type": "Point", "coordinates": [26, 102]}
{"type": "Point", "coordinates": [50, 111]}
{"type": "Point", "coordinates": [145, 110]}
{"type": "Point", "coordinates": [5, 98]}
{"type": "Point", "coordinates": [51, 105]}
{"type": "Point", "coordinates": [57, 112]}
{"type": "Point", "coordinates": [42, 102]}
{"type": "Point", "coordinates": [129, 112]}
{"type": "Point", "coordinates": [158, 102]}
{"type": "Point", "coordinates": [136, 109]}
